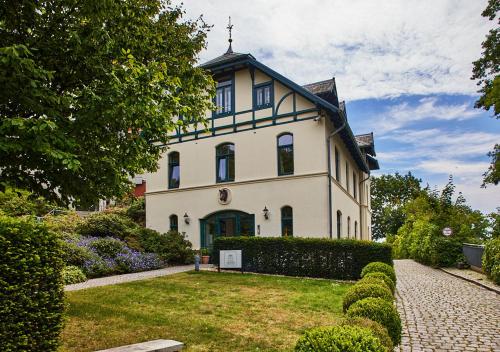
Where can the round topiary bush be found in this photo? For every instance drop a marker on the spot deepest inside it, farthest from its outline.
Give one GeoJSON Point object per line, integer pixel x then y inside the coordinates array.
{"type": "Point", "coordinates": [381, 277]}
{"type": "Point", "coordinates": [381, 311]}
{"type": "Point", "coordinates": [339, 339]}
{"type": "Point", "coordinates": [73, 275]}
{"type": "Point", "coordinates": [377, 329]}
{"type": "Point", "coordinates": [491, 259]}
{"type": "Point", "coordinates": [364, 290]}
{"type": "Point", "coordinates": [379, 267]}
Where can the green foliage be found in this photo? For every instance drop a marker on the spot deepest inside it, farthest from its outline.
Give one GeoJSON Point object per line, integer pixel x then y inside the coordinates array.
{"type": "Point", "coordinates": [494, 220]}
{"type": "Point", "coordinates": [379, 267]}
{"type": "Point", "coordinates": [74, 255]}
{"type": "Point", "coordinates": [15, 202]}
{"type": "Point", "coordinates": [377, 329]}
{"type": "Point", "coordinates": [105, 224]}
{"type": "Point", "coordinates": [492, 175]}
{"type": "Point", "coordinates": [107, 247]}
{"type": "Point", "coordinates": [375, 277]}
{"type": "Point", "coordinates": [137, 211]}
{"type": "Point", "coordinates": [312, 257]}
{"type": "Point", "coordinates": [65, 224]}
{"type": "Point", "coordinates": [173, 247]}
{"type": "Point", "coordinates": [31, 289]}
{"type": "Point", "coordinates": [381, 311]}
{"type": "Point", "coordinates": [73, 275]}
{"type": "Point", "coordinates": [339, 339]}
{"type": "Point", "coordinates": [90, 90]}
{"type": "Point", "coordinates": [491, 259]}
{"type": "Point", "coordinates": [421, 237]}
{"type": "Point", "coordinates": [360, 291]}
{"type": "Point", "coordinates": [389, 195]}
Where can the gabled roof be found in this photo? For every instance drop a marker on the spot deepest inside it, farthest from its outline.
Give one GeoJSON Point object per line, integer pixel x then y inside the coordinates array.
{"type": "Point", "coordinates": [324, 89]}
{"type": "Point", "coordinates": [231, 61]}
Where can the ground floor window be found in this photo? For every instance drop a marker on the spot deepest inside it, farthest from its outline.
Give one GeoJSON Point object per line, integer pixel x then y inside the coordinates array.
{"type": "Point", "coordinates": [287, 221]}
{"type": "Point", "coordinates": [174, 224]}
{"type": "Point", "coordinates": [339, 223]}
{"type": "Point", "coordinates": [226, 224]}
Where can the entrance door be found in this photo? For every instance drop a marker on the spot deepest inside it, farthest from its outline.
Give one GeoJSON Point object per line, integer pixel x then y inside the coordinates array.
{"type": "Point", "coordinates": [226, 224]}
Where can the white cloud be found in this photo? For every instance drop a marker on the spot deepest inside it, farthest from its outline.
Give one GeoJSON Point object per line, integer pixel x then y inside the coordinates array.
{"type": "Point", "coordinates": [374, 48]}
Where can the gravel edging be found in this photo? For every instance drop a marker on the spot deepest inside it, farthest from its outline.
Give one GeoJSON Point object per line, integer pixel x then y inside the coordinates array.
{"type": "Point", "coordinates": [472, 281]}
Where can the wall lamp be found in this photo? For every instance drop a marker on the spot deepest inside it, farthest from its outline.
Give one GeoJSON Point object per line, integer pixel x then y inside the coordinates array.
{"type": "Point", "coordinates": [266, 212]}
{"type": "Point", "coordinates": [187, 220]}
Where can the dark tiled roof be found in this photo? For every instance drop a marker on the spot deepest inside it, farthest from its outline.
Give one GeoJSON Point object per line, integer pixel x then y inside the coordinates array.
{"type": "Point", "coordinates": [225, 58]}
{"type": "Point", "coordinates": [318, 88]}
{"type": "Point", "coordinates": [364, 140]}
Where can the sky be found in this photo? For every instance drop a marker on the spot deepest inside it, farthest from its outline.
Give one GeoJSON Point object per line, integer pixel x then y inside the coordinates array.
{"type": "Point", "coordinates": [402, 66]}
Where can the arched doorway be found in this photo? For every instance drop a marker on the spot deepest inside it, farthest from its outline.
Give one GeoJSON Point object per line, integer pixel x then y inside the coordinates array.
{"type": "Point", "coordinates": [226, 224]}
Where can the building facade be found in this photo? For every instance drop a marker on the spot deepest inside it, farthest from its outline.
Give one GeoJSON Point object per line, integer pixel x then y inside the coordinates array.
{"type": "Point", "coordinates": [277, 159]}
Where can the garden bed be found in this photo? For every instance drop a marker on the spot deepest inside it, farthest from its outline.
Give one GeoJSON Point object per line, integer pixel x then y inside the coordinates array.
{"type": "Point", "coordinates": [206, 311]}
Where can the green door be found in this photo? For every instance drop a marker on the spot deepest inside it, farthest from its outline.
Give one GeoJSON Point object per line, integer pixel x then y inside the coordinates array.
{"type": "Point", "coordinates": [226, 224]}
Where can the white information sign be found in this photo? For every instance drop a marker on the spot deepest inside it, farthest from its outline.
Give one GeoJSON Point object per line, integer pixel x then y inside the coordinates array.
{"type": "Point", "coordinates": [230, 259]}
{"type": "Point", "coordinates": [447, 231]}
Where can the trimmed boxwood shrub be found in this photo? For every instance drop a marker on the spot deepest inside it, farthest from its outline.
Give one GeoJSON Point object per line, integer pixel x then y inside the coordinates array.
{"type": "Point", "coordinates": [377, 329]}
{"type": "Point", "coordinates": [381, 311]}
{"type": "Point", "coordinates": [373, 277]}
{"type": "Point", "coordinates": [73, 275]}
{"type": "Point", "coordinates": [31, 286]}
{"type": "Point", "coordinates": [491, 259]}
{"type": "Point", "coordinates": [339, 339]}
{"type": "Point", "coordinates": [379, 267]}
{"type": "Point", "coordinates": [172, 247]}
{"type": "Point", "coordinates": [312, 257]}
{"type": "Point", "coordinates": [361, 290]}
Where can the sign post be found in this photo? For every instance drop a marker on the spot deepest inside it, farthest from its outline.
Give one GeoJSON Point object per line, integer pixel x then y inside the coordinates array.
{"type": "Point", "coordinates": [230, 259]}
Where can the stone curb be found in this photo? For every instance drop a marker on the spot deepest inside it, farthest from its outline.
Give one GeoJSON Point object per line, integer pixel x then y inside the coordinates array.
{"type": "Point", "coordinates": [472, 281]}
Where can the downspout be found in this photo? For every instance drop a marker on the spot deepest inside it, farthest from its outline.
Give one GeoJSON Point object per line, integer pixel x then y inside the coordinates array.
{"type": "Point", "coordinates": [329, 153]}
{"type": "Point", "coordinates": [361, 225]}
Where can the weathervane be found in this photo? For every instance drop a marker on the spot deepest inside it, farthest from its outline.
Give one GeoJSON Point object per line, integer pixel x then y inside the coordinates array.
{"type": "Point", "coordinates": [230, 28]}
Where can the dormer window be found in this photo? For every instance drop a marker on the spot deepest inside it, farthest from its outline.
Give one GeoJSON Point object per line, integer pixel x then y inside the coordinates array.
{"type": "Point", "coordinates": [224, 97]}
{"type": "Point", "coordinates": [263, 95]}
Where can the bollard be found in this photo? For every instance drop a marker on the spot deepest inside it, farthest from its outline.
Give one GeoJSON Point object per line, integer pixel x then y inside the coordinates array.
{"type": "Point", "coordinates": [197, 262]}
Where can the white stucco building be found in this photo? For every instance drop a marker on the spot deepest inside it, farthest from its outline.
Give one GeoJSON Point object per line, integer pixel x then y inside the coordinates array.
{"type": "Point", "coordinates": [277, 159]}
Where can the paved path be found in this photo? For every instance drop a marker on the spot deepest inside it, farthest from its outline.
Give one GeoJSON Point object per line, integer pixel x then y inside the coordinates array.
{"type": "Point", "coordinates": [118, 279]}
{"type": "Point", "coordinates": [443, 313]}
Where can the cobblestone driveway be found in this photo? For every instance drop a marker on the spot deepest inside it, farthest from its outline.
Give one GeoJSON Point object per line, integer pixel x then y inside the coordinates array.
{"type": "Point", "coordinates": [444, 313]}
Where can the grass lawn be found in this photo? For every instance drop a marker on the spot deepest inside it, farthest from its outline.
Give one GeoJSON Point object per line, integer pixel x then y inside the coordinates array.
{"type": "Point", "coordinates": [207, 311]}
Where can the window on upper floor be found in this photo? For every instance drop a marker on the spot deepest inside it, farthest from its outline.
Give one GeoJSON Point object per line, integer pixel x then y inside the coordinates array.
{"type": "Point", "coordinates": [339, 224]}
{"type": "Point", "coordinates": [354, 185]}
{"type": "Point", "coordinates": [224, 97]}
{"type": "Point", "coordinates": [348, 227]}
{"type": "Point", "coordinates": [285, 154]}
{"type": "Point", "coordinates": [225, 162]}
{"type": "Point", "coordinates": [287, 221]}
{"type": "Point", "coordinates": [263, 96]}
{"type": "Point", "coordinates": [174, 170]}
{"type": "Point", "coordinates": [174, 224]}
{"type": "Point", "coordinates": [337, 165]}
{"type": "Point", "coordinates": [347, 186]}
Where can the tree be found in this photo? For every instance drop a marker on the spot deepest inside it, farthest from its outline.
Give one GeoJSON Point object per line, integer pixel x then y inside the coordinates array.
{"type": "Point", "coordinates": [390, 193]}
{"type": "Point", "coordinates": [487, 71]}
{"type": "Point", "coordinates": [90, 90]}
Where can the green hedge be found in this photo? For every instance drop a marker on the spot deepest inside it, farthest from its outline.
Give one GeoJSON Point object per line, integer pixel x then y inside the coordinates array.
{"type": "Point", "coordinates": [379, 267]}
{"type": "Point", "coordinates": [339, 339]}
{"type": "Point", "coordinates": [491, 259]}
{"type": "Point", "coordinates": [377, 329]}
{"type": "Point", "coordinates": [31, 288]}
{"type": "Point", "coordinates": [378, 276]}
{"type": "Point", "coordinates": [381, 311]}
{"type": "Point", "coordinates": [295, 256]}
{"type": "Point", "coordinates": [364, 290]}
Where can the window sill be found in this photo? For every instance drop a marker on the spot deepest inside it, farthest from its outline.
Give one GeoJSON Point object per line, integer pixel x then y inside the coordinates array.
{"type": "Point", "coordinates": [262, 107]}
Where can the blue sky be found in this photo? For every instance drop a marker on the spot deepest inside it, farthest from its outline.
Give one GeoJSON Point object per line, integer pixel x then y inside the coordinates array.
{"type": "Point", "coordinates": [402, 66]}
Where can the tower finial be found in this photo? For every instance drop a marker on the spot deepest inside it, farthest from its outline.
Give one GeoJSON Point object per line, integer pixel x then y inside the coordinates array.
{"type": "Point", "coordinates": [230, 28]}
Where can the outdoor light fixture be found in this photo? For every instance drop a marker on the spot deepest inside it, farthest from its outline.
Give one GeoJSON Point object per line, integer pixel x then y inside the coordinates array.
{"type": "Point", "coordinates": [187, 220]}
{"type": "Point", "coordinates": [266, 213]}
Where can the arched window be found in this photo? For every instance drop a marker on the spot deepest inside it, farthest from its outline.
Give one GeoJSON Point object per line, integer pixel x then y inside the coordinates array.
{"type": "Point", "coordinates": [287, 221]}
{"type": "Point", "coordinates": [225, 162]}
{"type": "Point", "coordinates": [174, 224]}
{"type": "Point", "coordinates": [355, 229]}
{"type": "Point", "coordinates": [339, 223]}
{"type": "Point", "coordinates": [174, 170]}
{"type": "Point", "coordinates": [285, 154]}
{"type": "Point", "coordinates": [348, 227]}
